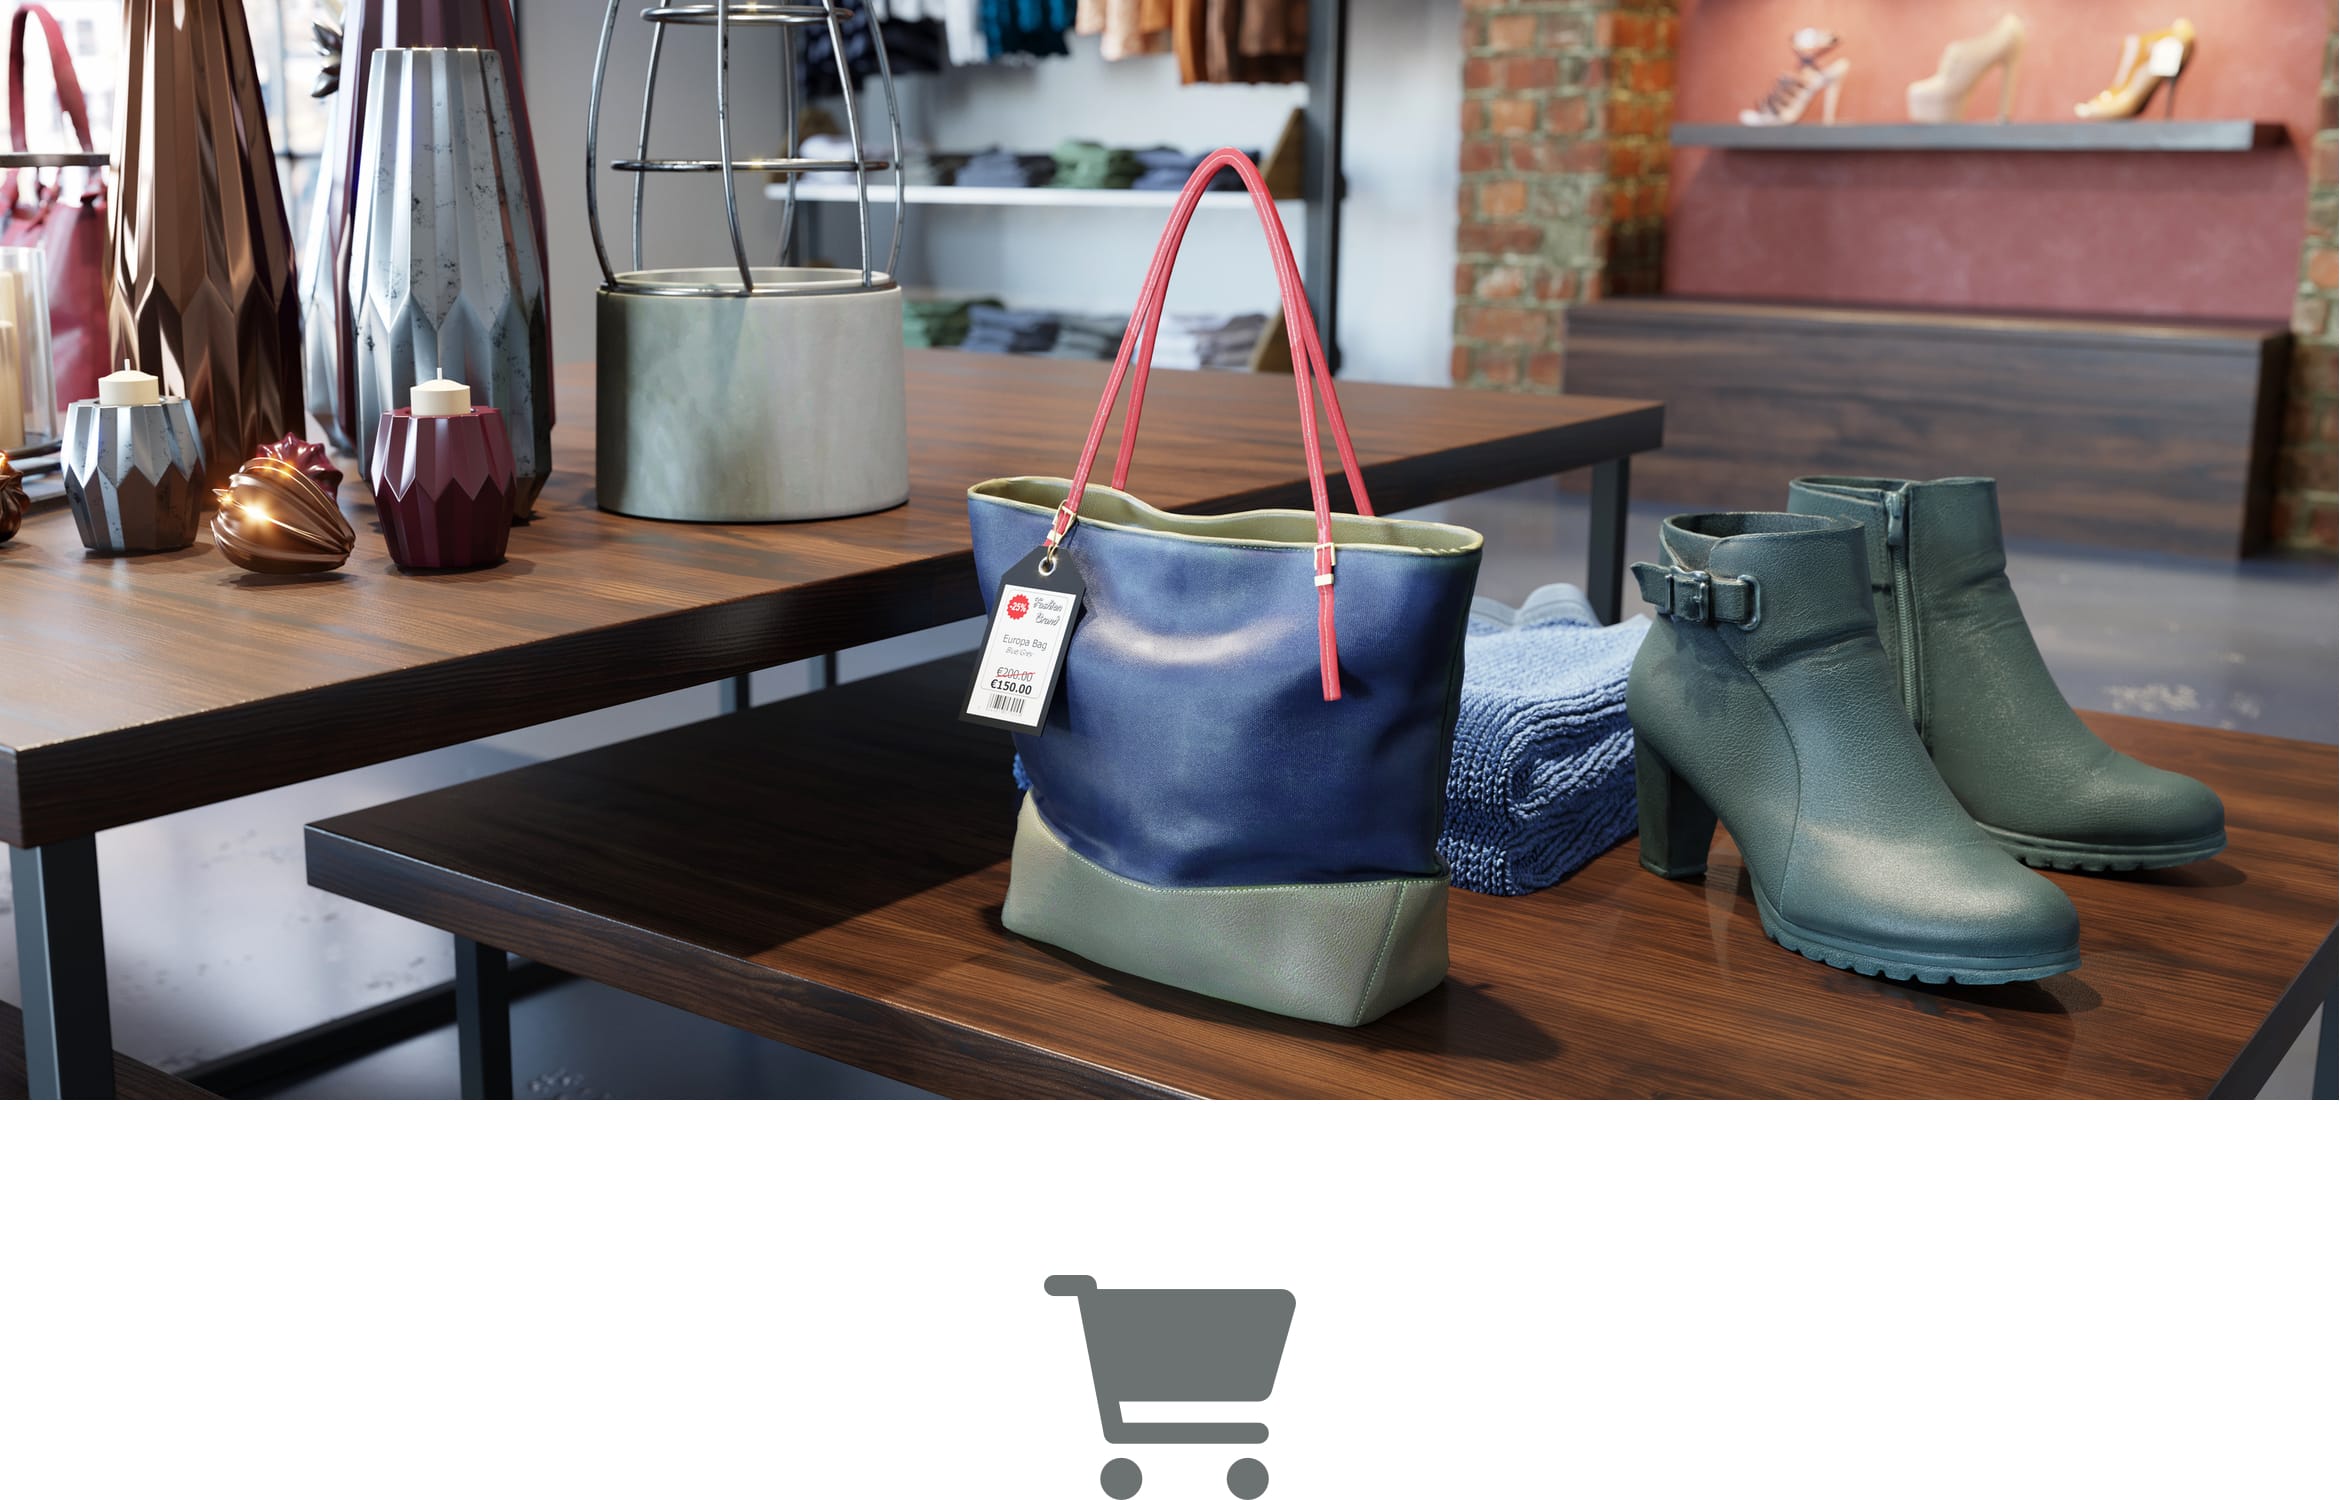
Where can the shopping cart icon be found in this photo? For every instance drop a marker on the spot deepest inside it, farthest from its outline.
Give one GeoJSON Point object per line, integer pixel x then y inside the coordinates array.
{"type": "Point", "coordinates": [1152, 1345]}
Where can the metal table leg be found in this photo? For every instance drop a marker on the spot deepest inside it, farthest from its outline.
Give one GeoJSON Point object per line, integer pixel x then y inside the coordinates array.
{"type": "Point", "coordinates": [61, 962]}
{"type": "Point", "coordinates": [1605, 554]}
{"type": "Point", "coordinates": [738, 693]}
{"type": "Point", "coordinates": [483, 1020]}
{"type": "Point", "coordinates": [2327, 1081]}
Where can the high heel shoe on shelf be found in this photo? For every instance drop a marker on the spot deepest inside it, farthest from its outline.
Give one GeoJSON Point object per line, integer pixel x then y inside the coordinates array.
{"type": "Point", "coordinates": [2146, 63]}
{"type": "Point", "coordinates": [1793, 93]}
{"type": "Point", "coordinates": [1941, 99]}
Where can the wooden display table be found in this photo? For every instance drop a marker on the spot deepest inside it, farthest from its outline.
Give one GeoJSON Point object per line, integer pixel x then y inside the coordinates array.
{"type": "Point", "coordinates": [142, 686]}
{"type": "Point", "coordinates": [132, 1078]}
{"type": "Point", "coordinates": [828, 871]}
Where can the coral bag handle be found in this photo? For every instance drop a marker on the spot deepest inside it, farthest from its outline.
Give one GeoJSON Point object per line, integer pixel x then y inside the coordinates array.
{"type": "Point", "coordinates": [69, 96]}
{"type": "Point", "coordinates": [1309, 373]}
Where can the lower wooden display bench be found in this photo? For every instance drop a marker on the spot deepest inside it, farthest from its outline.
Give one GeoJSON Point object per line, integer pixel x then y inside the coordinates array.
{"type": "Point", "coordinates": [132, 1078]}
{"type": "Point", "coordinates": [828, 871]}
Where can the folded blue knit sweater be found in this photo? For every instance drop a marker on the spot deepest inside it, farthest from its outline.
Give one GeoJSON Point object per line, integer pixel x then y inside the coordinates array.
{"type": "Point", "coordinates": [1542, 775]}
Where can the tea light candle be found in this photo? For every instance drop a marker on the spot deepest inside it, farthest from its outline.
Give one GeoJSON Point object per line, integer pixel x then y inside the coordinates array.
{"type": "Point", "coordinates": [129, 387]}
{"type": "Point", "coordinates": [440, 397]}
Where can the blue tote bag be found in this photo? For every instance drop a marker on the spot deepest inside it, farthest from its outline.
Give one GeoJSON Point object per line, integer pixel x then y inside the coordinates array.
{"type": "Point", "coordinates": [1239, 784]}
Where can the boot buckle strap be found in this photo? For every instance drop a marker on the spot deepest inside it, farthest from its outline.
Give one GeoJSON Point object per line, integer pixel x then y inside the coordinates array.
{"type": "Point", "coordinates": [1696, 597]}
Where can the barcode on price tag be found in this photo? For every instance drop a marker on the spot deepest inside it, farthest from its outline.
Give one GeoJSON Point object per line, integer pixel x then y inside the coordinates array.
{"type": "Point", "coordinates": [1016, 674]}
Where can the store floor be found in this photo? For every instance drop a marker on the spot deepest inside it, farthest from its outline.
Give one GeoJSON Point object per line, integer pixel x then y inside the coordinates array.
{"type": "Point", "coordinates": [217, 943]}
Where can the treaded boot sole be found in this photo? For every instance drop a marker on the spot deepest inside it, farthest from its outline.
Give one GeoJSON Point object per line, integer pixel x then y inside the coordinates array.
{"type": "Point", "coordinates": [2058, 854]}
{"type": "Point", "coordinates": [1924, 968]}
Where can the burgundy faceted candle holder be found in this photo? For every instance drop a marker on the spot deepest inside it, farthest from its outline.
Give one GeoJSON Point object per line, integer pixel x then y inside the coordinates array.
{"type": "Point", "coordinates": [444, 488]}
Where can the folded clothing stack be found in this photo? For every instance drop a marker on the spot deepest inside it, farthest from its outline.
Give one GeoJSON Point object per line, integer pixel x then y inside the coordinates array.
{"type": "Point", "coordinates": [1542, 776]}
{"type": "Point", "coordinates": [938, 322]}
{"type": "Point", "coordinates": [1085, 164]}
{"type": "Point", "coordinates": [961, 22]}
{"type": "Point", "coordinates": [1079, 337]}
{"type": "Point", "coordinates": [920, 167]}
{"type": "Point", "coordinates": [1026, 28]}
{"type": "Point", "coordinates": [913, 45]}
{"type": "Point", "coordinates": [1190, 341]}
{"type": "Point", "coordinates": [998, 169]}
{"type": "Point", "coordinates": [1166, 168]}
{"type": "Point", "coordinates": [992, 329]}
{"type": "Point", "coordinates": [924, 168]}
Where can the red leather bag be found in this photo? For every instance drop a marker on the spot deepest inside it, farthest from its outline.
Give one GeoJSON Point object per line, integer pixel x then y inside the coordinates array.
{"type": "Point", "coordinates": [73, 231]}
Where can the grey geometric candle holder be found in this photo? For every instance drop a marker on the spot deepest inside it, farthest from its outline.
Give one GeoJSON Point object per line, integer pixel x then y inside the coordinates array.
{"type": "Point", "coordinates": [134, 475]}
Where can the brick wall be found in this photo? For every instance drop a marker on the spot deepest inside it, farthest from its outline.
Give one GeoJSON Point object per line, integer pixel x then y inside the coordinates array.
{"type": "Point", "coordinates": [1564, 159]}
{"type": "Point", "coordinates": [2307, 510]}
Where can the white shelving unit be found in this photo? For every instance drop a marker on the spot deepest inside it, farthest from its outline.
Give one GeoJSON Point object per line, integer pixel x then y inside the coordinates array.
{"type": "Point", "coordinates": [1084, 250]}
{"type": "Point", "coordinates": [1009, 197]}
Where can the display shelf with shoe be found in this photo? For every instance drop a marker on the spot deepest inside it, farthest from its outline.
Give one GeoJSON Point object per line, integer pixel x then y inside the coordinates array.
{"type": "Point", "coordinates": [2188, 136]}
{"type": "Point", "coordinates": [2113, 120]}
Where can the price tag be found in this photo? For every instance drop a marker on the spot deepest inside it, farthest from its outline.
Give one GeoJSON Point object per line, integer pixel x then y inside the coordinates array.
{"type": "Point", "coordinates": [1016, 674]}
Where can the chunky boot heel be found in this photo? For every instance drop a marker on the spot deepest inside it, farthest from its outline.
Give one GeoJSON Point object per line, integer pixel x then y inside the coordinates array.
{"type": "Point", "coordinates": [1676, 824]}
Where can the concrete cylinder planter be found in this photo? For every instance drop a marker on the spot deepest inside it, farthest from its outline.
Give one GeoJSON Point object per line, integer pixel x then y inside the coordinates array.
{"type": "Point", "coordinates": [784, 405]}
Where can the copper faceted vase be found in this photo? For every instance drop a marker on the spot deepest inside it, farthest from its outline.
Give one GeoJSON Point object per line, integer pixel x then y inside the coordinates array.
{"type": "Point", "coordinates": [202, 290]}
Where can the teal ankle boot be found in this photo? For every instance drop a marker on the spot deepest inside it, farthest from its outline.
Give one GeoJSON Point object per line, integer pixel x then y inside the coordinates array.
{"type": "Point", "coordinates": [2020, 761]}
{"type": "Point", "coordinates": [1764, 696]}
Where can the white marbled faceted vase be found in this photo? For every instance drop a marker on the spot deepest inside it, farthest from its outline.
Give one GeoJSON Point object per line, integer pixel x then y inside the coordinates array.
{"type": "Point", "coordinates": [445, 273]}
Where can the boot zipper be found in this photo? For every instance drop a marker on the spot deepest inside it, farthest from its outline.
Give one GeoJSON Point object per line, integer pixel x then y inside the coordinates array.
{"type": "Point", "coordinates": [1904, 603]}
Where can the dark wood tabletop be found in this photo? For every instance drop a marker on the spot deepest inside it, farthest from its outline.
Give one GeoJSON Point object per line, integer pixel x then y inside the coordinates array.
{"type": "Point", "coordinates": [140, 686]}
{"type": "Point", "coordinates": [828, 871]}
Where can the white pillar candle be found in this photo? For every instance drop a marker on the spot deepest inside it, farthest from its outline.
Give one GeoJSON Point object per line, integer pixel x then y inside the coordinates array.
{"type": "Point", "coordinates": [128, 387]}
{"type": "Point", "coordinates": [11, 363]}
{"type": "Point", "coordinates": [440, 397]}
{"type": "Point", "coordinates": [11, 387]}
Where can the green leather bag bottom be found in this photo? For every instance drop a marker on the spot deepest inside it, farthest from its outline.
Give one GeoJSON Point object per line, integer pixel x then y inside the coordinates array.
{"type": "Point", "coordinates": [1345, 953]}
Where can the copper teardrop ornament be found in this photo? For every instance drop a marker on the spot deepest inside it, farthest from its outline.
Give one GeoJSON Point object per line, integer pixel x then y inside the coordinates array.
{"type": "Point", "coordinates": [275, 519]}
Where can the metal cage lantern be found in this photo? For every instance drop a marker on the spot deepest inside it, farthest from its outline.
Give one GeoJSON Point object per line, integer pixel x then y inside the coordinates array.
{"type": "Point", "coordinates": [750, 392]}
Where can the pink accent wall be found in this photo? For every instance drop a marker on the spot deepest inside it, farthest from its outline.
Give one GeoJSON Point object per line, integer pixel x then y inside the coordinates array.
{"type": "Point", "coordinates": [2145, 234]}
